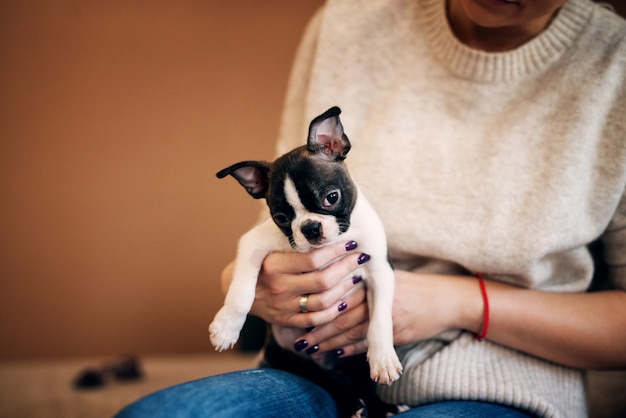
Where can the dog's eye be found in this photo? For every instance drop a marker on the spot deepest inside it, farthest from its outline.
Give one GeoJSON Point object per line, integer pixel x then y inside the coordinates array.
{"type": "Point", "coordinates": [281, 219]}
{"type": "Point", "coordinates": [331, 198]}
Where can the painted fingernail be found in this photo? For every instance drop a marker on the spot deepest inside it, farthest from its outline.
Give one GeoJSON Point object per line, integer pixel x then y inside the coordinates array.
{"type": "Point", "coordinates": [313, 350]}
{"type": "Point", "coordinates": [342, 306]}
{"type": "Point", "coordinates": [357, 279]}
{"type": "Point", "coordinates": [309, 329]}
{"type": "Point", "coordinates": [300, 345]}
{"type": "Point", "coordinates": [339, 352]}
{"type": "Point", "coordinates": [351, 245]}
{"type": "Point", "coordinates": [363, 258]}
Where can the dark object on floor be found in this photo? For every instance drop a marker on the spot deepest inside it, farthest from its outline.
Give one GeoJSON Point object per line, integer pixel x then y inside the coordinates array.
{"type": "Point", "coordinates": [124, 369]}
{"type": "Point", "coordinates": [89, 379]}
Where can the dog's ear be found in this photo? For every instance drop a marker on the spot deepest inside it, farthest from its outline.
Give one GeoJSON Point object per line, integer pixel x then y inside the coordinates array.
{"type": "Point", "coordinates": [252, 175]}
{"type": "Point", "coordinates": [326, 136]}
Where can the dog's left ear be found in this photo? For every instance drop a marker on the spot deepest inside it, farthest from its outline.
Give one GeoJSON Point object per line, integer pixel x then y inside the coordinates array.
{"type": "Point", "coordinates": [326, 136]}
{"type": "Point", "coordinates": [252, 175]}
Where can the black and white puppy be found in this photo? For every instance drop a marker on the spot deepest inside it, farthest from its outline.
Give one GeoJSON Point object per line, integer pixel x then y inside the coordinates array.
{"type": "Point", "coordinates": [313, 202]}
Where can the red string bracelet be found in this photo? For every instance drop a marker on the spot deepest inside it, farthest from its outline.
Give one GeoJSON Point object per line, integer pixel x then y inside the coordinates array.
{"type": "Point", "coordinates": [483, 291]}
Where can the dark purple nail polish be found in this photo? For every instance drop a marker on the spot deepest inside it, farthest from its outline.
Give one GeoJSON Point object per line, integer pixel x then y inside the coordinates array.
{"type": "Point", "coordinates": [363, 258]}
{"type": "Point", "coordinates": [351, 245]}
{"type": "Point", "coordinates": [313, 350]}
{"type": "Point", "coordinates": [342, 306]}
{"type": "Point", "coordinates": [357, 279]}
{"type": "Point", "coordinates": [300, 345]}
{"type": "Point", "coordinates": [309, 329]}
{"type": "Point", "coordinates": [339, 352]}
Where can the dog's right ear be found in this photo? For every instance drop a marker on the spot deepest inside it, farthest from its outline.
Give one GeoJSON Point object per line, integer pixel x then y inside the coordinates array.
{"type": "Point", "coordinates": [252, 175]}
{"type": "Point", "coordinates": [326, 137]}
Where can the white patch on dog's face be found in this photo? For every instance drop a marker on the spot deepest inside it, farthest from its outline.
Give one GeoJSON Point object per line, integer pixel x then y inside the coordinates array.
{"type": "Point", "coordinates": [329, 227]}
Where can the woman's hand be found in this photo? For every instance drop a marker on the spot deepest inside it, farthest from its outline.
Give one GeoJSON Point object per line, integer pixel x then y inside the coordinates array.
{"type": "Point", "coordinates": [424, 306]}
{"type": "Point", "coordinates": [325, 274]}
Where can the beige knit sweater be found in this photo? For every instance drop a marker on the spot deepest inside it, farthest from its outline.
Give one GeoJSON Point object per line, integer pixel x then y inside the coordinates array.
{"type": "Point", "coordinates": [505, 163]}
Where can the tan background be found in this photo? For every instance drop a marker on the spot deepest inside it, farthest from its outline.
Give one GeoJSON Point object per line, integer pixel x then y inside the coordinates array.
{"type": "Point", "coordinates": [114, 117]}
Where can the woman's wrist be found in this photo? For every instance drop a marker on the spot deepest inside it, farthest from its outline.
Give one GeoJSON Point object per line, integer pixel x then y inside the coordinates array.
{"type": "Point", "coordinates": [428, 304]}
{"type": "Point", "coordinates": [469, 302]}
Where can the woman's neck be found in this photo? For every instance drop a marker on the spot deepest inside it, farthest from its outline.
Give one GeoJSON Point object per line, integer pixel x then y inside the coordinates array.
{"type": "Point", "coordinates": [494, 38]}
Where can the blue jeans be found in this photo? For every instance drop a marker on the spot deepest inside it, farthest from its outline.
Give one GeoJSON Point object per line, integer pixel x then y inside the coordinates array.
{"type": "Point", "coordinates": [267, 393]}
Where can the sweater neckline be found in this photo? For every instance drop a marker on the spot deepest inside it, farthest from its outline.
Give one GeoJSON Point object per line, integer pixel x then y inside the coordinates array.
{"type": "Point", "coordinates": [534, 55]}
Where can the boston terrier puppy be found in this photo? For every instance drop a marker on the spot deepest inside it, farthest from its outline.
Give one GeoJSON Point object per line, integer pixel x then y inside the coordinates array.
{"type": "Point", "coordinates": [313, 202]}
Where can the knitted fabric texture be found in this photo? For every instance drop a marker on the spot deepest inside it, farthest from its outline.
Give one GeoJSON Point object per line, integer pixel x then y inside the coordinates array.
{"type": "Point", "coordinates": [505, 163]}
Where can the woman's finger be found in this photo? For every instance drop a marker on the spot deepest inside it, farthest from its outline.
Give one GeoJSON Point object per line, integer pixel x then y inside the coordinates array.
{"type": "Point", "coordinates": [353, 349]}
{"type": "Point", "coordinates": [334, 296]}
{"type": "Point", "coordinates": [353, 341]}
{"type": "Point", "coordinates": [296, 263]}
{"type": "Point", "coordinates": [310, 320]}
{"type": "Point", "coordinates": [344, 329]}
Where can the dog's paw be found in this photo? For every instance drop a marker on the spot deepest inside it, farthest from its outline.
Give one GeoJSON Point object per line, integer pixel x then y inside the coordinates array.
{"type": "Point", "coordinates": [224, 331]}
{"type": "Point", "coordinates": [223, 338]}
{"type": "Point", "coordinates": [384, 369]}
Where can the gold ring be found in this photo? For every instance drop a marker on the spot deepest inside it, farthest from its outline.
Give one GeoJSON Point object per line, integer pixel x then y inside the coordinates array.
{"type": "Point", "coordinates": [304, 299]}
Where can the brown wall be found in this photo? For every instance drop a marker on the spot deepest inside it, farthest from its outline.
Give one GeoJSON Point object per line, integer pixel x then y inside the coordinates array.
{"type": "Point", "coordinates": [114, 118]}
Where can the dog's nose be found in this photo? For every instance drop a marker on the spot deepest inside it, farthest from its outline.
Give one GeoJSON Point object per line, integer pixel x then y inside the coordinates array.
{"type": "Point", "coordinates": [312, 231]}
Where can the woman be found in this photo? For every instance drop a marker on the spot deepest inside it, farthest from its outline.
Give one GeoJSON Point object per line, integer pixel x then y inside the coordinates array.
{"type": "Point", "coordinates": [490, 136]}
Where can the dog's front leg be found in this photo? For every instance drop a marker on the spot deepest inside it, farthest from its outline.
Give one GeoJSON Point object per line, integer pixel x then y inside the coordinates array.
{"type": "Point", "coordinates": [253, 248]}
{"type": "Point", "coordinates": [385, 367]}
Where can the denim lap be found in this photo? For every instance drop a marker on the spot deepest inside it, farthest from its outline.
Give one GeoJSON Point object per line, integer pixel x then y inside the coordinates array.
{"type": "Point", "coordinates": [257, 392]}
{"type": "Point", "coordinates": [269, 393]}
